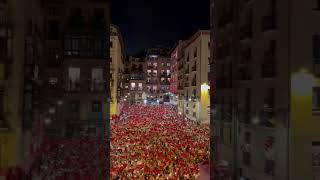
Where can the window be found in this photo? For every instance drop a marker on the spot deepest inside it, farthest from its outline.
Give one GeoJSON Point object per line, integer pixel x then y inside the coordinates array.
{"type": "Point", "coordinates": [316, 68]}
{"type": "Point", "coordinates": [96, 106]}
{"type": "Point", "coordinates": [316, 98]}
{"type": "Point", "coordinates": [53, 80]}
{"type": "Point", "coordinates": [316, 47]}
{"type": "Point", "coordinates": [195, 53]}
{"type": "Point", "coordinates": [53, 30]}
{"type": "Point", "coordinates": [3, 47]}
{"type": "Point", "coordinates": [194, 114]}
{"type": "Point", "coordinates": [85, 46]}
{"type": "Point", "coordinates": [111, 44]}
{"type": "Point", "coordinates": [269, 100]}
{"type": "Point", "coordinates": [53, 11]}
{"type": "Point", "coordinates": [168, 64]}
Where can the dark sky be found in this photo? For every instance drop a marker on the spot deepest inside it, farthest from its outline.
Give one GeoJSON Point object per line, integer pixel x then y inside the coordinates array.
{"type": "Point", "coordinates": [146, 23]}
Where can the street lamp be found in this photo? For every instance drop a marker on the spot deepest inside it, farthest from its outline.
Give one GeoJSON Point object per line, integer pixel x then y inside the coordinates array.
{"type": "Point", "coordinates": [302, 83]}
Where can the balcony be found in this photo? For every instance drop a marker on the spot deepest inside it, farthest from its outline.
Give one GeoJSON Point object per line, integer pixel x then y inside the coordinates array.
{"type": "Point", "coordinates": [194, 82]}
{"type": "Point", "coordinates": [165, 75]}
{"type": "Point", "coordinates": [246, 32]}
{"type": "Point", "coordinates": [246, 157]}
{"type": "Point", "coordinates": [268, 68]}
{"type": "Point", "coordinates": [5, 22]}
{"type": "Point", "coordinates": [225, 19]}
{"type": "Point", "coordinates": [72, 86]}
{"type": "Point", "coordinates": [165, 82]}
{"type": "Point", "coordinates": [3, 123]}
{"type": "Point", "coordinates": [267, 117]}
{"type": "Point", "coordinates": [268, 23]}
{"type": "Point", "coordinates": [186, 84]}
{"type": "Point", "coordinates": [245, 74]}
{"type": "Point", "coordinates": [246, 57]}
{"type": "Point", "coordinates": [96, 85]}
{"type": "Point", "coordinates": [245, 117]}
{"type": "Point", "coordinates": [194, 68]}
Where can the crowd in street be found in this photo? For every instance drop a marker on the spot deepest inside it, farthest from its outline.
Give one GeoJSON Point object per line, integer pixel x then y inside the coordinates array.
{"type": "Point", "coordinates": [83, 158]}
{"type": "Point", "coordinates": [155, 142]}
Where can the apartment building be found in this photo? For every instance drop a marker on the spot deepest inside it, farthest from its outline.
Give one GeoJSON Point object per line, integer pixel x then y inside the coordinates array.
{"type": "Point", "coordinates": [116, 67]}
{"type": "Point", "coordinates": [266, 69]}
{"type": "Point", "coordinates": [196, 69]}
{"type": "Point", "coordinates": [136, 79]}
{"type": "Point", "coordinates": [158, 74]}
{"type": "Point", "coordinates": [176, 81]}
{"type": "Point", "coordinates": [77, 72]}
{"type": "Point", "coordinates": [21, 42]}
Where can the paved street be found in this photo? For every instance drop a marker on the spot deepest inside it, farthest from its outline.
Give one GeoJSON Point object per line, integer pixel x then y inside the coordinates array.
{"type": "Point", "coordinates": [154, 142]}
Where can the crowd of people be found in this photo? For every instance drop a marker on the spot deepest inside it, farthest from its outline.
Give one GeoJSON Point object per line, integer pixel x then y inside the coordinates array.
{"type": "Point", "coordinates": [155, 142]}
{"type": "Point", "coordinates": [83, 158]}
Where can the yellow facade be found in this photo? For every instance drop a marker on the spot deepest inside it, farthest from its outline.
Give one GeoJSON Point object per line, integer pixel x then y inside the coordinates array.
{"type": "Point", "coordinates": [116, 67]}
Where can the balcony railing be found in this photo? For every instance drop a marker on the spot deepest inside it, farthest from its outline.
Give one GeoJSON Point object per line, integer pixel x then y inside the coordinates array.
{"type": "Point", "coordinates": [194, 68]}
{"type": "Point", "coordinates": [72, 85]}
{"type": "Point", "coordinates": [3, 123]}
{"type": "Point", "coordinates": [5, 21]}
{"type": "Point", "coordinates": [194, 82]}
{"type": "Point", "coordinates": [186, 84]}
{"type": "Point", "coordinates": [246, 56]}
{"type": "Point", "coordinates": [268, 68]}
{"type": "Point", "coordinates": [268, 23]}
{"type": "Point", "coordinates": [267, 116]}
{"type": "Point", "coordinates": [165, 83]}
{"type": "Point", "coordinates": [165, 75]}
{"type": "Point", "coordinates": [246, 31]}
{"type": "Point", "coordinates": [96, 86]}
{"type": "Point", "coordinates": [246, 158]}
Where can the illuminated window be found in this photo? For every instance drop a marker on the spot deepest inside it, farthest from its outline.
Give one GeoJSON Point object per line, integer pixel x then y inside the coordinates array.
{"type": "Point", "coordinates": [133, 85]}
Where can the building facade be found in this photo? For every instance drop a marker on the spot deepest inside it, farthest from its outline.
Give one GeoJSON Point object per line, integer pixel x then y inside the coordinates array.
{"type": "Point", "coordinates": [158, 74]}
{"type": "Point", "coordinates": [21, 43]}
{"type": "Point", "coordinates": [136, 86]}
{"type": "Point", "coordinates": [78, 69]}
{"type": "Point", "coordinates": [196, 69]}
{"type": "Point", "coordinates": [267, 87]}
{"type": "Point", "coordinates": [116, 67]}
{"type": "Point", "coordinates": [176, 80]}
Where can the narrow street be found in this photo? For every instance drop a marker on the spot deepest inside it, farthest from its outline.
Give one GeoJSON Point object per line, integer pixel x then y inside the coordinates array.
{"type": "Point", "coordinates": [155, 142]}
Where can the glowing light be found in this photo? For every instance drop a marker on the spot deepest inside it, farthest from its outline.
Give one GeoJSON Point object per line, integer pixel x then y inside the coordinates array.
{"type": "Point", "coordinates": [158, 101]}
{"type": "Point", "coordinates": [255, 120]}
{"type": "Point", "coordinates": [47, 120]}
{"type": "Point", "coordinates": [205, 87]}
{"type": "Point", "coordinates": [189, 99]}
{"type": "Point", "coordinates": [52, 110]}
{"type": "Point", "coordinates": [145, 101]}
{"type": "Point", "coordinates": [125, 99]}
{"type": "Point", "coordinates": [302, 83]}
{"type": "Point", "coordinates": [60, 103]}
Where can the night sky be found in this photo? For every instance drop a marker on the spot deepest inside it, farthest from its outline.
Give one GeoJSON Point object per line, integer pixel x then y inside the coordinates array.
{"type": "Point", "coordinates": [147, 23]}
